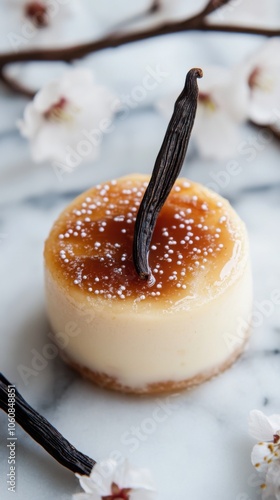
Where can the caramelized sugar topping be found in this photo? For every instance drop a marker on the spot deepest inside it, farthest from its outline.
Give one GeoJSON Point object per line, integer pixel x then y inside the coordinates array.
{"type": "Point", "coordinates": [193, 245]}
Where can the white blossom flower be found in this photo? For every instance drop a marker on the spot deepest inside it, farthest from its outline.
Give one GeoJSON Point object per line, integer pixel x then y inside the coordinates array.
{"type": "Point", "coordinates": [262, 74]}
{"type": "Point", "coordinates": [111, 481]}
{"type": "Point", "coordinates": [44, 23]}
{"type": "Point", "coordinates": [41, 13]}
{"type": "Point", "coordinates": [38, 12]}
{"type": "Point", "coordinates": [266, 454]}
{"type": "Point", "coordinates": [221, 108]}
{"type": "Point", "coordinates": [262, 427]}
{"type": "Point", "coordinates": [272, 485]}
{"type": "Point", "coordinates": [267, 431]}
{"type": "Point", "coordinates": [68, 117]}
{"type": "Point", "coordinates": [246, 13]}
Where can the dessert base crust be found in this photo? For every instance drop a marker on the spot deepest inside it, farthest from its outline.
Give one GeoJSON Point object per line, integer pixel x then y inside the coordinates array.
{"type": "Point", "coordinates": [169, 386]}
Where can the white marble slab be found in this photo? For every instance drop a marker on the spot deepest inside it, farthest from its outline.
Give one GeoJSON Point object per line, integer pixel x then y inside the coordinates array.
{"type": "Point", "coordinates": [202, 449]}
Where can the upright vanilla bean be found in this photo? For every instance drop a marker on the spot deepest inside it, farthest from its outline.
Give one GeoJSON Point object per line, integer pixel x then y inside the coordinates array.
{"type": "Point", "coordinates": [166, 170]}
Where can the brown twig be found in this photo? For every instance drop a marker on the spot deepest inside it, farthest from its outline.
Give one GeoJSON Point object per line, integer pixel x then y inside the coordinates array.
{"type": "Point", "coordinates": [116, 40]}
{"type": "Point", "coordinates": [68, 54]}
{"type": "Point", "coordinates": [153, 8]}
{"type": "Point", "coordinates": [113, 40]}
{"type": "Point", "coordinates": [246, 30]}
{"type": "Point", "coordinates": [196, 22]}
{"type": "Point", "coordinates": [15, 86]}
{"type": "Point", "coordinates": [275, 131]}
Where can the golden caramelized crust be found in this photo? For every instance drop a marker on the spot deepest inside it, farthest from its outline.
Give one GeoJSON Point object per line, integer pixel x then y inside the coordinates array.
{"type": "Point", "coordinates": [196, 242]}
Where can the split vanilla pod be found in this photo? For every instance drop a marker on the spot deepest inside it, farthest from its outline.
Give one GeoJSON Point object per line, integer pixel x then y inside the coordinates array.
{"type": "Point", "coordinates": [166, 170]}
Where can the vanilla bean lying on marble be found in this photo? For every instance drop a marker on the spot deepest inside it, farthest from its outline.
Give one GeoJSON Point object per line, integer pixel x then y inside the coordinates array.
{"type": "Point", "coordinates": [166, 170]}
{"type": "Point", "coordinates": [44, 433]}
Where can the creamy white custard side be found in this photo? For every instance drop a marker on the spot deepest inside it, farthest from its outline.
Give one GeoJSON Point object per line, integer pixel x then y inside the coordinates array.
{"type": "Point", "coordinates": [188, 325]}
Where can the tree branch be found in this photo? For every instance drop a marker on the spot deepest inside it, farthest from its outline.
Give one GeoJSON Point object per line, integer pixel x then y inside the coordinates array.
{"type": "Point", "coordinates": [112, 41]}
{"type": "Point", "coordinates": [275, 131]}
{"type": "Point", "coordinates": [246, 30]}
{"type": "Point", "coordinates": [15, 86]}
{"type": "Point", "coordinates": [116, 40]}
{"type": "Point", "coordinates": [196, 22]}
{"type": "Point", "coordinates": [67, 54]}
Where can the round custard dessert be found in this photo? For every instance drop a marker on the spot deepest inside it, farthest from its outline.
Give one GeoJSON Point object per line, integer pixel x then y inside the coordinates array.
{"type": "Point", "coordinates": [123, 334]}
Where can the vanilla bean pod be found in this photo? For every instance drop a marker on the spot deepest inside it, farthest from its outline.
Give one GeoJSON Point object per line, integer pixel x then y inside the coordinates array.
{"type": "Point", "coordinates": [166, 170]}
{"type": "Point", "coordinates": [44, 433]}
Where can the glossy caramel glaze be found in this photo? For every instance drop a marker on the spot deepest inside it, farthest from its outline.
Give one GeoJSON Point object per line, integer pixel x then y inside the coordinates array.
{"type": "Point", "coordinates": [196, 242]}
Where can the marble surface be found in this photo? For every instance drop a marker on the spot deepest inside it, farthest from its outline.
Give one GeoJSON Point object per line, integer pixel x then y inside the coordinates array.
{"type": "Point", "coordinates": [202, 449]}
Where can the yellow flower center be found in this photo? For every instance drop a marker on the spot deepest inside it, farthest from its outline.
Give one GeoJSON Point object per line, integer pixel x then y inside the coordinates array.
{"type": "Point", "coordinates": [61, 111]}
{"type": "Point", "coordinates": [207, 101]}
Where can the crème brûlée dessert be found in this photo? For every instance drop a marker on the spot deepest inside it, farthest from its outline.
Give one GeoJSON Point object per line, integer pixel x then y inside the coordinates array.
{"type": "Point", "coordinates": [133, 336]}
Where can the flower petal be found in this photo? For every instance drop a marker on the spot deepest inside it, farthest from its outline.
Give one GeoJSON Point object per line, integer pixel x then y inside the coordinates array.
{"type": "Point", "coordinates": [88, 484]}
{"type": "Point", "coordinates": [245, 13]}
{"type": "Point", "coordinates": [72, 132]}
{"type": "Point", "coordinates": [260, 426]}
{"type": "Point", "coordinates": [273, 481]}
{"type": "Point", "coordinates": [47, 96]}
{"type": "Point", "coordinates": [49, 144]}
{"type": "Point", "coordinates": [263, 103]}
{"type": "Point", "coordinates": [275, 422]}
{"type": "Point", "coordinates": [215, 133]}
{"type": "Point", "coordinates": [261, 71]}
{"type": "Point", "coordinates": [259, 457]}
{"type": "Point", "coordinates": [87, 496]}
{"type": "Point", "coordinates": [228, 91]}
{"type": "Point", "coordinates": [103, 474]}
{"type": "Point", "coordinates": [142, 494]}
{"type": "Point", "coordinates": [138, 478]}
{"type": "Point", "coordinates": [222, 105]}
{"type": "Point", "coordinates": [32, 120]}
